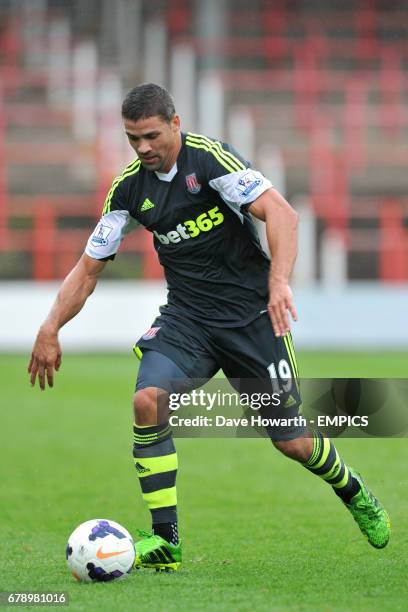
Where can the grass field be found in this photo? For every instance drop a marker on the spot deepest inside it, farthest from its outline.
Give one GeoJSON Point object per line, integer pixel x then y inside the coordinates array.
{"type": "Point", "coordinates": [260, 533]}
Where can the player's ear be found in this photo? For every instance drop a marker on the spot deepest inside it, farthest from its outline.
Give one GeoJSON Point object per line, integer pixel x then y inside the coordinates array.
{"type": "Point", "coordinates": [175, 123]}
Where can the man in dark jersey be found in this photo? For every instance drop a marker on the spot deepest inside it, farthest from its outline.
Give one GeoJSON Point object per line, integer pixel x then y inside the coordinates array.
{"type": "Point", "coordinates": [227, 305]}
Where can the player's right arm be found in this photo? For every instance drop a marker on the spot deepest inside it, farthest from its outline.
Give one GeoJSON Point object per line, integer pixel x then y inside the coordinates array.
{"type": "Point", "coordinates": [77, 287]}
{"type": "Point", "coordinates": [103, 244]}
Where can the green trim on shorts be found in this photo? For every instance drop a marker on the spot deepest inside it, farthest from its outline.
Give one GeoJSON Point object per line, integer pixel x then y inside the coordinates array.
{"type": "Point", "coordinates": [138, 352]}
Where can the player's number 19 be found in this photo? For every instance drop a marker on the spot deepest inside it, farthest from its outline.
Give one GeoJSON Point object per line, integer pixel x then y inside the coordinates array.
{"type": "Point", "coordinates": [282, 376]}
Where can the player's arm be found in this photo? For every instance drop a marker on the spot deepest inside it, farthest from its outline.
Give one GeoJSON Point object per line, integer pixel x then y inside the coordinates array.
{"type": "Point", "coordinates": [240, 186]}
{"type": "Point", "coordinates": [76, 288]}
{"type": "Point", "coordinates": [102, 245]}
{"type": "Point", "coordinates": [281, 231]}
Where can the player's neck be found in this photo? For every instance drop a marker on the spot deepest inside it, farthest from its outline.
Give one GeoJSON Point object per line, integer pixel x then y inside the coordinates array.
{"type": "Point", "coordinates": [174, 154]}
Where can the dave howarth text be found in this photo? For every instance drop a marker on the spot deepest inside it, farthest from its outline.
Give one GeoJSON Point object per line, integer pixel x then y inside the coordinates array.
{"type": "Point", "coordinates": [221, 421]}
{"type": "Point", "coordinates": [207, 400]}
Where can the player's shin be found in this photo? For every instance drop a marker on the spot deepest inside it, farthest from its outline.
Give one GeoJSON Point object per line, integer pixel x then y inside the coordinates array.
{"type": "Point", "coordinates": [156, 465]}
{"type": "Point", "coordinates": [327, 463]}
{"type": "Point", "coordinates": [369, 514]}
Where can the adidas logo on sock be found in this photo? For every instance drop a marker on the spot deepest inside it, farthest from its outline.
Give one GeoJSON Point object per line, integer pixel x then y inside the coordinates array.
{"type": "Point", "coordinates": [140, 469]}
{"type": "Point", "coordinates": [147, 205]}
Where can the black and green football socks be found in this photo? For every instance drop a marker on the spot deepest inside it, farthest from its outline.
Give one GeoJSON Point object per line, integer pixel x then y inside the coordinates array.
{"type": "Point", "coordinates": [327, 463]}
{"type": "Point", "coordinates": [156, 465]}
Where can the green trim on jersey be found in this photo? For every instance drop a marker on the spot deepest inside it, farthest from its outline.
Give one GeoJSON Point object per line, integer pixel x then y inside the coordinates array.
{"type": "Point", "coordinates": [132, 168]}
{"type": "Point", "coordinates": [225, 158]}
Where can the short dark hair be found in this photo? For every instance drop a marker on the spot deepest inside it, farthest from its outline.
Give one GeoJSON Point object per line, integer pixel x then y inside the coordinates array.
{"type": "Point", "coordinates": [148, 100]}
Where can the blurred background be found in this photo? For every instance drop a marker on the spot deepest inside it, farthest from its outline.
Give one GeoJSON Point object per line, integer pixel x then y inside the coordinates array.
{"type": "Point", "coordinates": [314, 93]}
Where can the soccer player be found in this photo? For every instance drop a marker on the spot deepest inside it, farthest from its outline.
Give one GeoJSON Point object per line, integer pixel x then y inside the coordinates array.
{"type": "Point", "coordinates": [228, 306]}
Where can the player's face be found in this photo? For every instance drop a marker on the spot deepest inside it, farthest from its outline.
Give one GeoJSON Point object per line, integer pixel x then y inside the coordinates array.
{"type": "Point", "coordinates": [156, 141]}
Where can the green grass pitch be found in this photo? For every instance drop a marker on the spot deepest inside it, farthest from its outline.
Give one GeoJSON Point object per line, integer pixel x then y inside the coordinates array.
{"type": "Point", "coordinates": [260, 533]}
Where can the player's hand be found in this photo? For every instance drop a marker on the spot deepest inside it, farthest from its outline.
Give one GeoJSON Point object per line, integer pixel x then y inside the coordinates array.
{"type": "Point", "coordinates": [280, 303]}
{"type": "Point", "coordinates": [46, 357]}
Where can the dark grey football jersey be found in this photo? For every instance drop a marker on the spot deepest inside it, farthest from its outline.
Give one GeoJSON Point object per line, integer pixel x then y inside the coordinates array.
{"type": "Point", "coordinates": [206, 241]}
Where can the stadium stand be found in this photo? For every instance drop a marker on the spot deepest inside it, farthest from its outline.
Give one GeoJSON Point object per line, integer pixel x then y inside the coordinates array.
{"type": "Point", "coordinates": [325, 82]}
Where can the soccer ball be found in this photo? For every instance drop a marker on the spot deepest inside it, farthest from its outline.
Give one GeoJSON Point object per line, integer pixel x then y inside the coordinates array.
{"type": "Point", "coordinates": [100, 551]}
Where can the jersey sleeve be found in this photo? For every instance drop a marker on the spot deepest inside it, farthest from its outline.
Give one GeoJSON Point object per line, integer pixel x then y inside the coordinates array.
{"type": "Point", "coordinates": [242, 187]}
{"type": "Point", "coordinates": [116, 220]}
{"type": "Point", "coordinates": [227, 172]}
{"type": "Point", "coordinates": [105, 241]}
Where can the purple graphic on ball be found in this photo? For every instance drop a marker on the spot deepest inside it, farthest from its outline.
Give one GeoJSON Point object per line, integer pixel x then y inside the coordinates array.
{"type": "Point", "coordinates": [100, 575]}
{"type": "Point", "coordinates": [103, 529]}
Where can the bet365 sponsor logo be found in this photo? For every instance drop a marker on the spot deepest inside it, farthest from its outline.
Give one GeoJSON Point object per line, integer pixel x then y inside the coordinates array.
{"type": "Point", "coordinates": [192, 227]}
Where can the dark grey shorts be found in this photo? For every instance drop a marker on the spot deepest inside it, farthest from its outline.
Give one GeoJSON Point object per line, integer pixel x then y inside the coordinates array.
{"type": "Point", "coordinates": [179, 355]}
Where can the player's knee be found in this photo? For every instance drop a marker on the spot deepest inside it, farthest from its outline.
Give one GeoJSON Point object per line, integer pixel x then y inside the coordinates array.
{"type": "Point", "coordinates": [145, 406]}
{"type": "Point", "coordinates": [298, 449]}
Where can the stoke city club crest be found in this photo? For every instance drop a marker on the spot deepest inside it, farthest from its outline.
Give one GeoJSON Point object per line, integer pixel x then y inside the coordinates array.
{"type": "Point", "coordinates": [193, 186]}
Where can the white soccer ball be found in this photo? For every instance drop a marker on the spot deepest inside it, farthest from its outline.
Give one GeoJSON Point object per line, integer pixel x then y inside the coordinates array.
{"type": "Point", "coordinates": [100, 550]}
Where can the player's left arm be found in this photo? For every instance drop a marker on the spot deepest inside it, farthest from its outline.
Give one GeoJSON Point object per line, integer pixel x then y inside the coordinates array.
{"type": "Point", "coordinates": [281, 231]}
{"type": "Point", "coordinates": [241, 186]}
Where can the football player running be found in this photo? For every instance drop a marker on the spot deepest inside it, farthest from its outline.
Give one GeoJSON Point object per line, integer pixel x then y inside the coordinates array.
{"type": "Point", "coordinates": [228, 306]}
